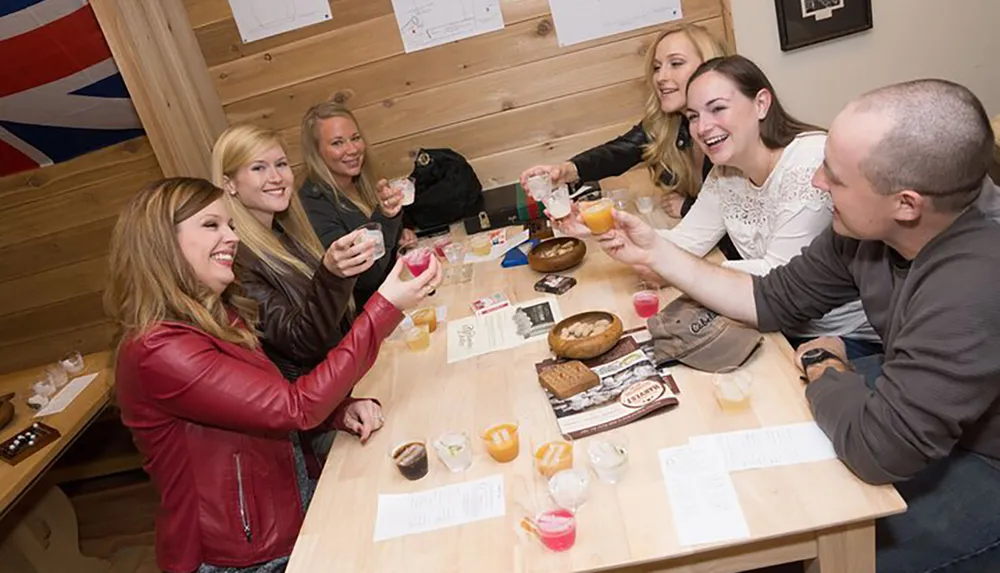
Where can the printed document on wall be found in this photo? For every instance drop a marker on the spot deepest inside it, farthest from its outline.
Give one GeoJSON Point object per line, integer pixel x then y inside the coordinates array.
{"type": "Point", "coordinates": [427, 23]}
{"type": "Point", "coordinates": [257, 19]}
{"type": "Point", "coordinates": [582, 20]}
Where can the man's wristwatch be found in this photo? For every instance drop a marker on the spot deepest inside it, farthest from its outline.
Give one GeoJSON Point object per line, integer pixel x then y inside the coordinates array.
{"type": "Point", "coordinates": [817, 355]}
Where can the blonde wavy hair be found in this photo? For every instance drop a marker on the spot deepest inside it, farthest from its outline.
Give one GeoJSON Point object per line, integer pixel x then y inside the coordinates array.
{"type": "Point", "coordinates": [317, 170]}
{"type": "Point", "coordinates": [662, 154]}
{"type": "Point", "coordinates": [236, 148]}
{"type": "Point", "coordinates": [150, 281]}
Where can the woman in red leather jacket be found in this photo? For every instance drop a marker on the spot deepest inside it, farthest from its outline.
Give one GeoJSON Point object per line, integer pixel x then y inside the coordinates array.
{"type": "Point", "coordinates": [209, 412]}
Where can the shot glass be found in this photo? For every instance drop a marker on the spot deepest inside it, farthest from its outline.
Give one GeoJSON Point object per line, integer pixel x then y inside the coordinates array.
{"type": "Point", "coordinates": [502, 441]}
{"type": "Point", "coordinates": [373, 232]}
{"type": "Point", "coordinates": [568, 488]}
{"type": "Point", "coordinates": [733, 389]}
{"type": "Point", "coordinates": [455, 451]}
{"type": "Point", "coordinates": [555, 528]}
{"type": "Point", "coordinates": [410, 458]}
{"type": "Point", "coordinates": [645, 204]}
{"type": "Point", "coordinates": [407, 186]}
{"type": "Point", "coordinates": [608, 455]}
{"type": "Point", "coordinates": [597, 215]}
{"type": "Point", "coordinates": [645, 300]}
{"type": "Point", "coordinates": [417, 337]}
{"type": "Point", "coordinates": [454, 252]}
{"type": "Point", "coordinates": [72, 363]}
{"type": "Point", "coordinates": [558, 203]}
{"type": "Point", "coordinates": [539, 186]}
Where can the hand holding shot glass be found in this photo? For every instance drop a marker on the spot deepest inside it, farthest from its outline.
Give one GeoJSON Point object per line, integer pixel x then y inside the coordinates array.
{"type": "Point", "coordinates": [417, 260]}
{"type": "Point", "coordinates": [407, 187]}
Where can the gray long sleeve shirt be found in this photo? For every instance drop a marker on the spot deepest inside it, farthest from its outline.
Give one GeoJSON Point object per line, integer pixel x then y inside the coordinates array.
{"type": "Point", "coordinates": [939, 318]}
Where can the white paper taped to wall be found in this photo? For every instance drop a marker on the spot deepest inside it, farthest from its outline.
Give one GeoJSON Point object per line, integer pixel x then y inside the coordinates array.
{"type": "Point", "coordinates": [582, 20]}
{"type": "Point", "coordinates": [427, 23]}
{"type": "Point", "coordinates": [257, 19]}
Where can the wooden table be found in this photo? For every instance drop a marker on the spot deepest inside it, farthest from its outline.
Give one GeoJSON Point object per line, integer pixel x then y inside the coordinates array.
{"type": "Point", "coordinates": [23, 548]}
{"type": "Point", "coordinates": [814, 511]}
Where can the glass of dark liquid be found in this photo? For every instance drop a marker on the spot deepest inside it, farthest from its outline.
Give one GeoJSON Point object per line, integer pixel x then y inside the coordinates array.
{"type": "Point", "coordinates": [411, 459]}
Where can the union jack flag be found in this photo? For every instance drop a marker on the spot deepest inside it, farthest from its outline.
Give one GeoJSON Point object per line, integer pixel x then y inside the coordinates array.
{"type": "Point", "coordinates": [60, 92]}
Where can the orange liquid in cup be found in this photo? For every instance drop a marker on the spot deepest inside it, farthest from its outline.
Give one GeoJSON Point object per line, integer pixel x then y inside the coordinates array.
{"type": "Point", "coordinates": [502, 442]}
{"type": "Point", "coordinates": [554, 456]}
{"type": "Point", "coordinates": [426, 316]}
{"type": "Point", "coordinates": [417, 338]}
{"type": "Point", "coordinates": [597, 216]}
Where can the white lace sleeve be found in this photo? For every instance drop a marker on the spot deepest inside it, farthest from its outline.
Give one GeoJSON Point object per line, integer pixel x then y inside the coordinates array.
{"type": "Point", "coordinates": [703, 226]}
{"type": "Point", "coordinates": [801, 213]}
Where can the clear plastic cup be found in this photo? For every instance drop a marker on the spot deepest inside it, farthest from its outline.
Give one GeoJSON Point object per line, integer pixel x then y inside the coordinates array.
{"type": "Point", "coordinates": [72, 363]}
{"type": "Point", "coordinates": [407, 186]}
{"type": "Point", "coordinates": [455, 252]}
{"type": "Point", "coordinates": [568, 488]}
{"type": "Point", "coordinates": [539, 186]}
{"type": "Point", "coordinates": [597, 215]}
{"type": "Point", "coordinates": [455, 451]}
{"type": "Point", "coordinates": [645, 204]}
{"type": "Point", "coordinates": [373, 232]}
{"type": "Point", "coordinates": [417, 338]}
{"type": "Point", "coordinates": [733, 389]}
{"type": "Point", "coordinates": [608, 455]}
{"type": "Point", "coordinates": [502, 441]}
{"type": "Point", "coordinates": [645, 300]}
{"type": "Point", "coordinates": [558, 203]}
{"type": "Point", "coordinates": [410, 458]}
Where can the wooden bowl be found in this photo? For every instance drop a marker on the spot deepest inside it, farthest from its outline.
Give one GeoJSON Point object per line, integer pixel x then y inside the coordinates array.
{"type": "Point", "coordinates": [589, 347]}
{"type": "Point", "coordinates": [542, 260]}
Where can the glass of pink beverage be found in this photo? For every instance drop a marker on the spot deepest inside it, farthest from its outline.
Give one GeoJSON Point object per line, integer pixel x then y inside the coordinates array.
{"type": "Point", "coordinates": [417, 259]}
{"type": "Point", "coordinates": [646, 300]}
{"type": "Point", "coordinates": [556, 529]}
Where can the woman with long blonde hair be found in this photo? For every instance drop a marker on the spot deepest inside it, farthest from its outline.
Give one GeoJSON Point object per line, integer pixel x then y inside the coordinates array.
{"type": "Point", "coordinates": [341, 192]}
{"type": "Point", "coordinates": [661, 141]}
{"type": "Point", "coordinates": [304, 291]}
{"type": "Point", "coordinates": [211, 415]}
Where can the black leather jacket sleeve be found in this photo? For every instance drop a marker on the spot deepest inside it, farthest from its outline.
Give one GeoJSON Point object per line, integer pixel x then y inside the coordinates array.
{"type": "Point", "coordinates": [612, 158]}
{"type": "Point", "coordinates": [299, 318]}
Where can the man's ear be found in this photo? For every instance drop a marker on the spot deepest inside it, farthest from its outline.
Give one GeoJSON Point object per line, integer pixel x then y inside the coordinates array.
{"type": "Point", "coordinates": [910, 205]}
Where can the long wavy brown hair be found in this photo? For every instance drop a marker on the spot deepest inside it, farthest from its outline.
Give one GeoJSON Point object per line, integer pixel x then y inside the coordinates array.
{"type": "Point", "coordinates": [150, 281]}
{"type": "Point", "coordinates": [662, 154]}
{"type": "Point", "coordinates": [778, 128]}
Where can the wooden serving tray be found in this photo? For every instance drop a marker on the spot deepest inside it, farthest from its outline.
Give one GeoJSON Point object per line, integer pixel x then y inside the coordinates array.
{"type": "Point", "coordinates": [45, 435]}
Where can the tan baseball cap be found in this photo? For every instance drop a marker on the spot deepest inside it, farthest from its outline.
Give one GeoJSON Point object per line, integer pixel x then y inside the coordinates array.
{"type": "Point", "coordinates": [700, 338]}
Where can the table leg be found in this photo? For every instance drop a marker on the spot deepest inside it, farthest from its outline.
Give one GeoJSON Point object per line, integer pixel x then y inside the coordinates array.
{"type": "Point", "coordinates": [847, 549]}
{"type": "Point", "coordinates": [47, 539]}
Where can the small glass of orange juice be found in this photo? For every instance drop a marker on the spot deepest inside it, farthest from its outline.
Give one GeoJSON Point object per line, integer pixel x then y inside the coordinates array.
{"type": "Point", "coordinates": [425, 316]}
{"type": "Point", "coordinates": [732, 389]}
{"type": "Point", "coordinates": [417, 337]}
{"type": "Point", "coordinates": [502, 442]}
{"type": "Point", "coordinates": [552, 457]}
{"type": "Point", "coordinates": [597, 215]}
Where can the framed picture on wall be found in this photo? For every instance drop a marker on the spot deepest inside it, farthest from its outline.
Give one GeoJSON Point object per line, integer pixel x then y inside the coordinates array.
{"type": "Point", "coordinates": [805, 22]}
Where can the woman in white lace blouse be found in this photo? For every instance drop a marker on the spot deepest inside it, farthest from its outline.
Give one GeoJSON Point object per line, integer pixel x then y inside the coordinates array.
{"type": "Point", "coordinates": [760, 191]}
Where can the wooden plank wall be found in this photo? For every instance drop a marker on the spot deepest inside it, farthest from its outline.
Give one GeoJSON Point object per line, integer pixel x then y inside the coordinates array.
{"type": "Point", "coordinates": [505, 100]}
{"type": "Point", "coordinates": [55, 223]}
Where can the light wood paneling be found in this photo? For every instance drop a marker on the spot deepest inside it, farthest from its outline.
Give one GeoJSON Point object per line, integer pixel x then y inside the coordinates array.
{"type": "Point", "coordinates": [160, 60]}
{"type": "Point", "coordinates": [533, 124]}
{"type": "Point", "coordinates": [491, 97]}
{"type": "Point", "coordinates": [220, 41]}
{"type": "Point", "coordinates": [55, 224]}
{"type": "Point", "coordinates": [134, 155]}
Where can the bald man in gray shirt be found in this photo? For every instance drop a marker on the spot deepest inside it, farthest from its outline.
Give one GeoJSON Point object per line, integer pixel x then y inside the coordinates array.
{"type": "Point", "coordinates": [904, 166]}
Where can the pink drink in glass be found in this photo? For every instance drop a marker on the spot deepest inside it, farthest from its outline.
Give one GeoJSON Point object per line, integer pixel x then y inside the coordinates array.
{"type": "Point", "coordinates": [556, 529]}
{"type": "Point", "coordinates": [646, 303]}
{"type": "Point", "coordinates": [417, 261]}
{"type": "Point", "coordinates": [439, 246]}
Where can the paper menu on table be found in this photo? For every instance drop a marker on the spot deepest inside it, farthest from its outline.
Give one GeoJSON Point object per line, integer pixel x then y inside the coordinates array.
{"type": "Point", "coordinates": [448, 506]}
{"type": "Point", "coordinates": [505, 328]}
{"type": "Point", "coordinates": [65, 397]}
{"type": "Point", "coordinates": [703, 501]}
{"type": "Point", "coordinates": [769, 447]}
